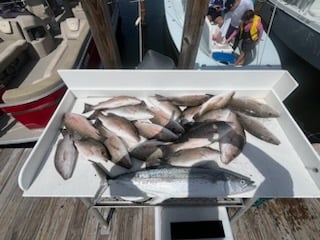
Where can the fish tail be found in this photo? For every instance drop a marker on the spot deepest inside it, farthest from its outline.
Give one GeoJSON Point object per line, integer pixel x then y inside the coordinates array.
{"type": "Point", "coordinates": [160, 97]}
{"type": "Point", "coordinates": [94, 115]}
{"type": "Point", "coordinates": [167, 150]}
{"type": "Point", "coordinates": [102, 172]}
{"type": "Point", "coordinates": [87, 108]}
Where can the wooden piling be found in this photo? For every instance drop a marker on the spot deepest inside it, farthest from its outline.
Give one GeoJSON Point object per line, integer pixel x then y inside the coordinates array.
{"type": "Point", "coordinates": [101, 28]}
{"type": "Point", "coordinates": [193, 24]}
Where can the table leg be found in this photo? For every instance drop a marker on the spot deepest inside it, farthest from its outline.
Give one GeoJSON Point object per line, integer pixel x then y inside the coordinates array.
{"type": "Point", "coordinates": [97, 213]}
{"type": "Point", "coordinates": [248, 203]}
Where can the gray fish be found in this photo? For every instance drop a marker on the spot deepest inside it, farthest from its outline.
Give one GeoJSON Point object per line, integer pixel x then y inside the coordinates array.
{"type": "Point", "coordinates": [117, 147]}
{"type": "Point", "coordinates": [113, 102]}
{"type": "Point", "coordinates": [148, 150]}
{"type": "Point", "coordinates": [118, 151]}
{"type": "Point", "coordinates": [189, 114]}
{"type": "Point", "coordinates": [257, 129]}
{"type": "Point", "coordinates": [162, 119]}
{"type": "Point", "coordinates": [216, 102]}
{"type": "Point", "coordinates": [252, 107]}
{"type": "Point", "coordinates": [200, 135]}
{"type": "Point", "coordinates": [232, 143]}
{"type": "Point", "coordinates": [186, 100]}
{"type": "Point", "coordinates": [122, 127]}
{"type": "Point", "coordinates": [79, 125]}
{"type": "Point", "coordinates": [151, 130]}
{"type": "Point", "coordinates": [92, 150]}
{"type": "Point", "coordinates": [178, 182]}
{"type": "Point", "coordinates": [173, 112]}
{"type": "Point", "coordinates": [132, 112]}
{"type": "Point", "coordinates": [191, 157]}
{"type": "Point", "coordinates": [65, 157]}
{"type": "Point", "coordinates": [215, 115]}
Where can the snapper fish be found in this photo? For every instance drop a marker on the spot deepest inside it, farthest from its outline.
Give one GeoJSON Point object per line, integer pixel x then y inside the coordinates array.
{"type": "Point", "coordinates": [113, 102]}
{"type": "Point", "coordinates": [252, 107]}
{"type": "Point", "coordinates": [65, 157]}
{"type": "Point", "coordinates": [257, 129]}
{"type": "Point", "coordinates": [186, 100]}
{"type": "Point", "coordinates": [79, 127]}
{"type": "Point", "coordinates": [216, 102]}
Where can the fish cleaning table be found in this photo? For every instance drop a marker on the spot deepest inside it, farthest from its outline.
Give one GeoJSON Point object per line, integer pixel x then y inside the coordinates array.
{"type": "Point", "coordinates": [288, 170]}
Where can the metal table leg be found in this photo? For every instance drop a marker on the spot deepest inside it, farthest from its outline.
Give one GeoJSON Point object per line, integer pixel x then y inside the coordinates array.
{"type": "Point", "coordinates": [97, 213]}
{"type": "Point", "coordinates": [248, 203]}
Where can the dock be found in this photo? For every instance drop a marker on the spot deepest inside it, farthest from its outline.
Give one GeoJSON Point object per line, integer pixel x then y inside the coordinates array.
{"type": "Point", "coordinates": [68, 218]}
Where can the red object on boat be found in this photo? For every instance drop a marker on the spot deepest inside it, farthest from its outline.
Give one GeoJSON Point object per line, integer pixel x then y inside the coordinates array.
{"type": "Point", "coordinates": [36, 114]}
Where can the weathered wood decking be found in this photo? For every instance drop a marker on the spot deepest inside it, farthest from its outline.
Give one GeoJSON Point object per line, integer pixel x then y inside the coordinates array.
{"type": "Point", "coordinates": [58, 218]}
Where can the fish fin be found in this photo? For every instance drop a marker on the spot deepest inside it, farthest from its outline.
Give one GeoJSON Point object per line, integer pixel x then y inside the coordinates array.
{"type": "Point", "coordinates": [94, 115]}
{"type": "Point", "coordinates": [137, 200]}
{"type": "Point", "coordinates": [156, 200]}
{"type": "Point", "coordinates": [155, 163]}
{"type": "Point", "coordinates": [87, 108]}
{"type": "Point", "coordinates": [102, 172]}
{"type": "Point", "coordinates": [160, 97]}
{"type": "Point", "coordinates": [209, 164]}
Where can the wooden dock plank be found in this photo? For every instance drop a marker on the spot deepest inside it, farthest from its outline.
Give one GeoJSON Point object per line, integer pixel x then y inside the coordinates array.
{"type": "Point", "coordinates": [8, 164]}
{"type": "Point", "coordinates": [57, 218]}
{"type": "Point", "coordinates": [90, 229]}
{"type": "Point", "coordinates": [77, 222]}
{"type": "Point", "coordinates": [11, 195]}
{"type": "Point", "coordinates": [126, 224]}
{"type": "Point", "coordinates": [148, 222]}
{"type": "Point", "coordinates": [280, 219]}
{"type": "Point", "coordinates": [31, 211]}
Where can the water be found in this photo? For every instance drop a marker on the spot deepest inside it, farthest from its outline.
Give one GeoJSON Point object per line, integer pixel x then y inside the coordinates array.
{"type": "Point", "coordinates": [154, 32]}
{"type": "Point", "coordinates": [302, 103]}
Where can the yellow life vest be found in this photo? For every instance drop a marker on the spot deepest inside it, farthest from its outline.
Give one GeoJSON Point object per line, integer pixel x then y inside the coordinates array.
{"type": "Point", "coordinates": [254, 32]}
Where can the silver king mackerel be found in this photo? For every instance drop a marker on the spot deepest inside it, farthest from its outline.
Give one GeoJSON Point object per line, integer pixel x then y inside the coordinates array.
{"type": "Point", "coordinates": [176, 182]}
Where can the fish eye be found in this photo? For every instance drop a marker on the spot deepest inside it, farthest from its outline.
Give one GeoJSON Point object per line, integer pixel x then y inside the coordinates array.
{"type": "Point", "coordinates": [242, 182]}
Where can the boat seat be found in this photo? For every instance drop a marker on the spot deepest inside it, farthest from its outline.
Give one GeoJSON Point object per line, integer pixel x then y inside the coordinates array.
{"type": "Point", "coordinates": [314, 9]}
{"type": "Point", "coordinates": [72, 28]}
{"type": "Point", "coordinates": [11, 52]}
{"type": "Point", "coordinates": [9, 30]}
{"type": "Point", "coordinates": [44, 77]}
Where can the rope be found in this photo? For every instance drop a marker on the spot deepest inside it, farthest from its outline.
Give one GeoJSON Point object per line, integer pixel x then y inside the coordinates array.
{"type": "Point", "coordinates": [269, 29]}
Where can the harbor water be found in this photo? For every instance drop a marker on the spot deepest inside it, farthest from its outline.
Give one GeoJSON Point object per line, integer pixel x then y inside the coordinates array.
{"type": "Point", "coordinates": [302, 103]}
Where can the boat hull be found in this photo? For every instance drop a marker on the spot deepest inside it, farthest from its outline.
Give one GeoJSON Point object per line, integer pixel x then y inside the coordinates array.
{"type": "Point", "coordinates": [24, 121]}
{"type": "Point", "coordinates": [300, 38]}
{"type": "Point", "coordinates": [37, 113]}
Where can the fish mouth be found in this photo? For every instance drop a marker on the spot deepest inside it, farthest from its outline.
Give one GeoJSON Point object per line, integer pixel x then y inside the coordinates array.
{"type": "Point", "coordinates": [249, 186]}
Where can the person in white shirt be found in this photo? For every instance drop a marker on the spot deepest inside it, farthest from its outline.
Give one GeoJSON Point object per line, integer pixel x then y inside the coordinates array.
{"type": "Point", "coordinates": [234, 10]}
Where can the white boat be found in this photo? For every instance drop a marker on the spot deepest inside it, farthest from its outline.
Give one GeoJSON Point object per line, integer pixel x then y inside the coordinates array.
{"type": "Point", "coordinates": [265, 55]}
{"type": "Point", "coordinates": [297, 25]}
{"type": "Point", "coordinates": [33, 45]}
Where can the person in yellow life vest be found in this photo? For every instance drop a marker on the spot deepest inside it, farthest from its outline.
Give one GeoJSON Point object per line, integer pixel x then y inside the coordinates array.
{"type": "Point", "coordinates": [250, 32]}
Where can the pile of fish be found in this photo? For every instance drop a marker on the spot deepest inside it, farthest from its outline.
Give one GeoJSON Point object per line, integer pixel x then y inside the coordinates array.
{"type": "Point", "coordinates": [178, 131]}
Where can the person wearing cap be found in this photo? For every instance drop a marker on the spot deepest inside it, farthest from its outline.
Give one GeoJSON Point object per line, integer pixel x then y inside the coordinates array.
{"type": "Point", "coordinates": [215, 11]}
{"type": "Point", "coordinates": [250, 32]}
{"type": "Point", "coordinates": [234, 10]}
